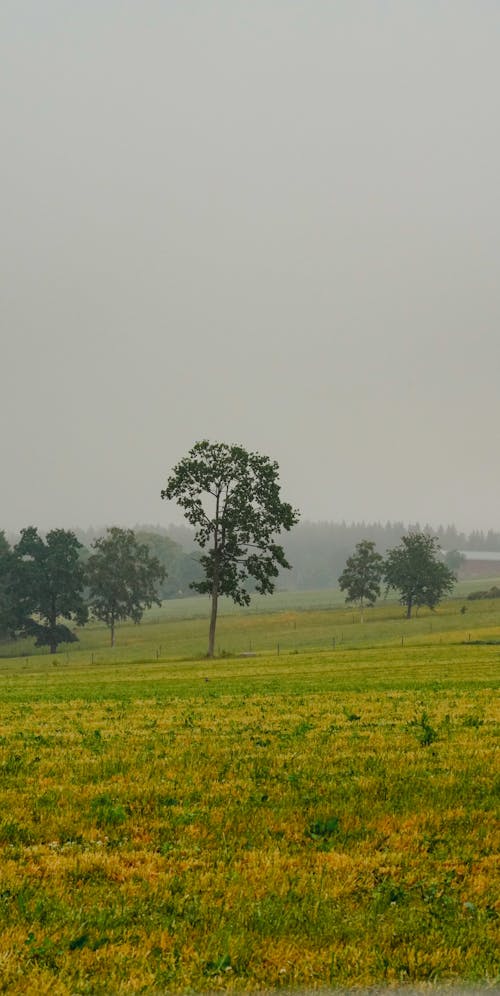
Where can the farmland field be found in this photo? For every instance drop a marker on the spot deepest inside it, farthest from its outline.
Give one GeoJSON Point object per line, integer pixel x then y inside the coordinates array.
{"type": "Point", "coordinates": [285, 621]}
{"type": "Point", "coordinates": [321, 816]}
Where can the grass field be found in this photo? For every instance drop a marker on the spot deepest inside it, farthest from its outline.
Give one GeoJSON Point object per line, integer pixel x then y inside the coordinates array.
{"type": "Point", "coordinates": [322, 817]}
{"type": "Point", "coordinates": [287, 622]}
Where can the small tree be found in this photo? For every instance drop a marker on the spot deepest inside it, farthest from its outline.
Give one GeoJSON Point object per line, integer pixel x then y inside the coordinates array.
{"type": "Point", "coordinates": [362, 575]}
{"type": "Point", "coordinates": [232, 498]}
{"type": "Point", "coordinates": [416, 570]}
{"type": "Point", "coordinates": [49, 582]}
{"type": "Point", "coordinates": [122, 578]}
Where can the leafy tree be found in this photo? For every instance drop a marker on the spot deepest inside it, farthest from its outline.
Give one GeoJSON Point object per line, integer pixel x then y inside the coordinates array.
{"type": "Point", "coordinates": [362, 575]}
{"type": "Point", "coordinates": [49, 582]}
{"type": "Point", "coordinates": [232, 498]}
{"type": "Point", "coordinates": [415, 569]}
{"type": "Point", "coordinates": [10, 615]}
{"type": "Point", "coordinates": [122, 578]}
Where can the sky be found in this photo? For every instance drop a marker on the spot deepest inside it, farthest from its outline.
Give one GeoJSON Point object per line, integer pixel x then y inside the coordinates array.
{"type": "Point", "coordinates": [274, 223]}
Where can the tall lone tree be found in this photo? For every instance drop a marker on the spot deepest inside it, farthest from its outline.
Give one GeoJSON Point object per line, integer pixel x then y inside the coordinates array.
{"type": "Point", "coordinates": [362, 575]}
{"type": "Point", "coordinates": [232, 498]}
{"type": "Point", "coordinates": [49, 584]}
{"type": "Point", "coordinates": [122, 577]}
{"type": "Point", "coordinates": [416, 570]}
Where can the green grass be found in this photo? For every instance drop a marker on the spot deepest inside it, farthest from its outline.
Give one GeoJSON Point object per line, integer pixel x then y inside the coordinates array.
{"type": "Point", "coordinates": [325, 816]}
{"type": "Point", "coordinates": [290, 623]}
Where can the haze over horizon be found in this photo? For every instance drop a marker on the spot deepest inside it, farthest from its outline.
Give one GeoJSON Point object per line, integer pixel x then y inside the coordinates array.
{"type": "Point", "coordinates": [268, 223]}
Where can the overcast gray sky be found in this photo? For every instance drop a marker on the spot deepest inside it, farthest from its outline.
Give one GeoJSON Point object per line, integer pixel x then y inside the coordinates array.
{"type": "Point", "coordinates": [269, 222]}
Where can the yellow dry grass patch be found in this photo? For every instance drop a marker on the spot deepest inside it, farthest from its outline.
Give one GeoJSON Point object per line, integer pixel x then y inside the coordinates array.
{"type": "Point", "coordinates": [239, 836]}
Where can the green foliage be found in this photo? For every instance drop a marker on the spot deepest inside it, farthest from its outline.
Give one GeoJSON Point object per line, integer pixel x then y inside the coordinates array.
{"type": "Point", "coordinates": [232, 498]}
{"type": "Point", "coordinates": [122, 578]}
{"type": "Point", "coordinates": [473, 722]}
{"type": "Point", "coordinates": [425, 733]}
{"type": "Point", "coordinates": [49, 583]}
{"type": "Point", "coordinates": [107, 812]}
{"type": "Point", "coordinates": [10, 616]}
{"type": "Point", "coordinates": [324, 828]}
{"type": "Point", "coordinates": [180, 568]}
{"type": "Point", "coordinates": [493, 592]}
{"type": "Point", "coordinates": [415, 569]}
{"type": "Point", "coordinates": [318, 550]}
{"type": "Point", "coordinates": [362, 575]}
{"type": "Point", "coordinates": [13, 832]}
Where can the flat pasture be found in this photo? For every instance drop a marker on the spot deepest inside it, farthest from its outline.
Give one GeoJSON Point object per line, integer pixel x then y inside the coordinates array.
{"type": "Point", "coordinates": [321, 817]}
{"type": "Point", "coordinates": [283, 623]}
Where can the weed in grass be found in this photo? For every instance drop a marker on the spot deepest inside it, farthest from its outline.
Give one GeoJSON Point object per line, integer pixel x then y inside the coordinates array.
{"type": "Point", "coordinates": [425, 733]}
{"type": "Point", "coordinates": [42, 951]}
{"type": "Point", "coordinates": [352, 717]}
{"type": "Point", "coordinates": [106, 811]}
{"type": "Point", "coordinates": [386, 894]}
{"type": "Point", "coordinates": [14, 764]}
{"type": "Point", "coordinates": [92, 741]}
{"type": "Point", "coordinates": [473, 722]}
{"type": "Point", "coordinates": [302, 729]}
{"type": "Point", "coordinates": [324, 828]}
{"type": "Point", "coordinates": [12, 832]}
{"type": "Point", "coordinates": [217, 967]}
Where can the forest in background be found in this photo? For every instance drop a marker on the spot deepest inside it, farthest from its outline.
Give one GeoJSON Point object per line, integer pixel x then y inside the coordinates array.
{"type": "Point", "coordinates": [317, 551]}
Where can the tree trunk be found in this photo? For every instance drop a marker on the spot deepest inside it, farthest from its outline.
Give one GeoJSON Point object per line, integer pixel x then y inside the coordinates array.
{"type": "Point", "coordinates": [409, 607]}
{"type": "Point", "coordinates": [112, 627]}
{"type": "Point", "coordinates": [215, 586]}
{"type": "Point", "coordinates": [52, 625]}
{"type": "Point", "coordinates": [213, 620]}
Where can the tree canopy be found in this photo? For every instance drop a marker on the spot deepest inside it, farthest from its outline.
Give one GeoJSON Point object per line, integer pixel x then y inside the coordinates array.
{"type": "Point", "coordinates": [49, 584]}
{"type": "Point", "coordinates": [122, 577]}
{"type": "Point", "coordinates": [362, 575]}
{"type": "Point", "coordinates": [232, 498]}
{"type": "Point", "coordinates": [10, 614]}
{"type": "Point", "coordinates": [416, 570]}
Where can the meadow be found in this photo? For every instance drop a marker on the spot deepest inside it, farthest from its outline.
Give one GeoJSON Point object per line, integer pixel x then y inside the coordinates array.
{"type": "Point", "coordinates": [286, 622]}
{"type": "Point", "coordinates": [325, 815]}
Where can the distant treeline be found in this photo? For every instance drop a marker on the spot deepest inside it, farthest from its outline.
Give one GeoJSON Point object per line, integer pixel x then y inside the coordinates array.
{"type": "Point", "coordinates": [317, 551]}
